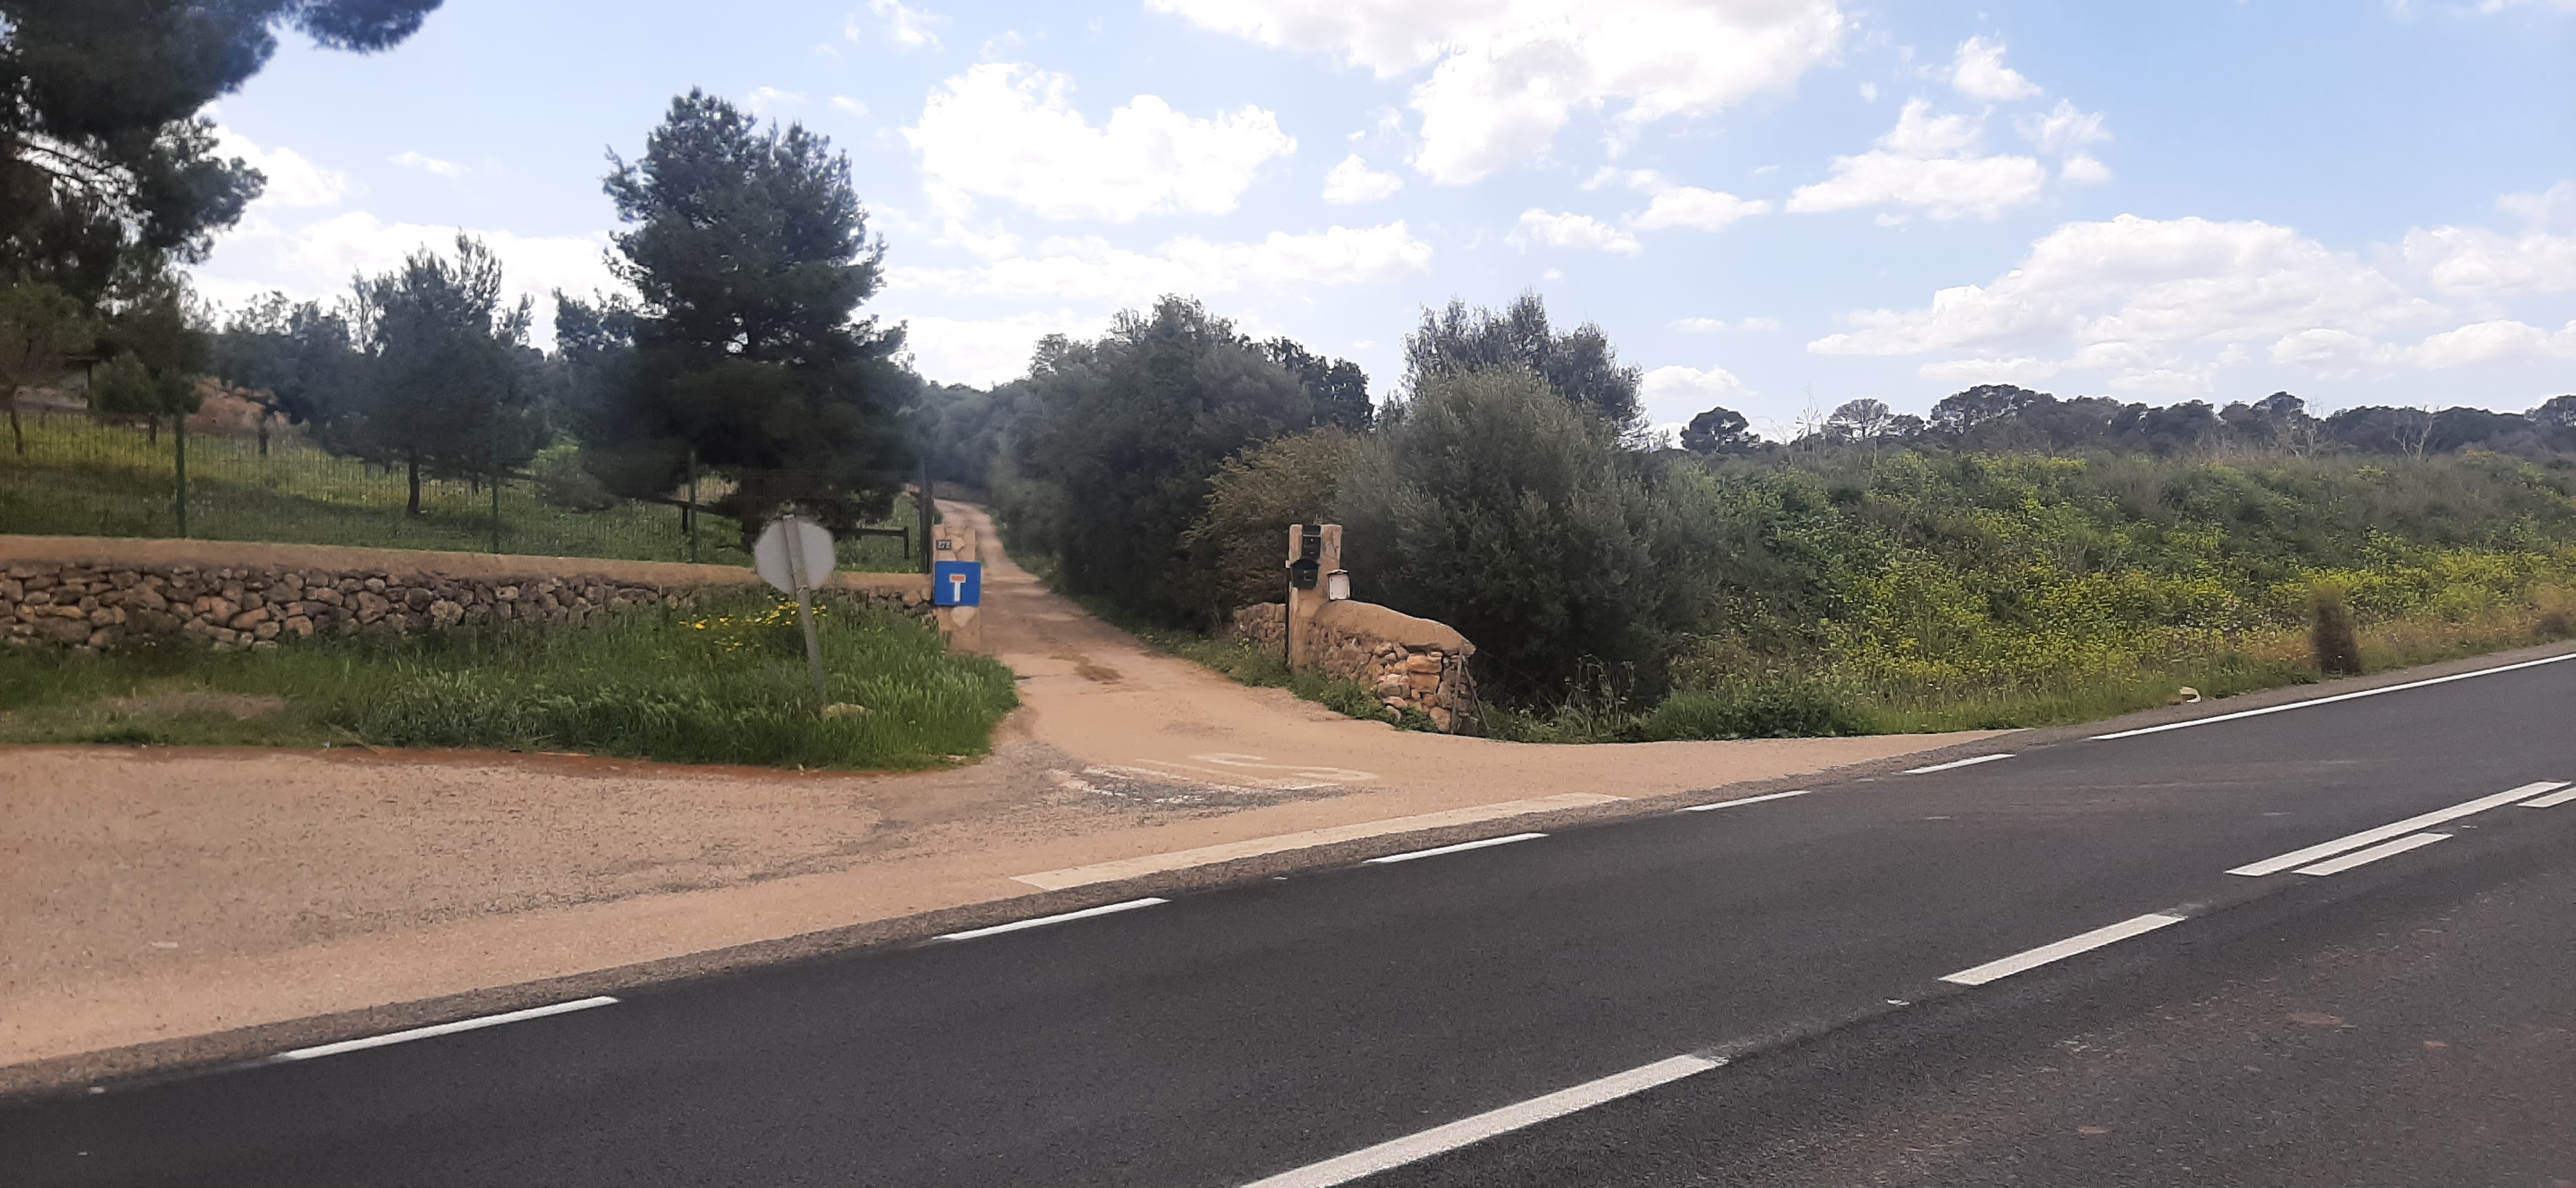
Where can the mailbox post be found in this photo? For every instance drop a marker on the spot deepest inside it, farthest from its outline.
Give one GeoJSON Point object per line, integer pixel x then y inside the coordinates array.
{"type": "Point", "coordinates": [1314, 574]}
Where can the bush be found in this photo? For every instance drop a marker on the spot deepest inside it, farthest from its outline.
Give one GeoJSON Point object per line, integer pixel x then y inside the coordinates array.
{"type": "Point", "coordinates": [1506, 512]}
{"type": "Point", "coordinates": [1111, 464]}
{"type": "Point", "coordinates": [2332, 635]}
{"type": "Point", "coordinates": [1239, 543]}
{"type": "Point", "coordinates": [1799, 709]}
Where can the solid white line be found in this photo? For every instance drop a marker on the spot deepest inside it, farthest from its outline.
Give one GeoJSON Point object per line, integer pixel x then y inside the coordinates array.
{"type": "Point", "coordinates": [2553, 800]}
{"type": "Point", "coordinates": [2373, 854]}
{"type": "Point", "coordinates": [1059, 918]}
{"type": "Point", "coordinates": [1701, 808]}
{"type": "Point", "coordinates": [2079, 943]}
{"type": "Point", "coordinates": [1954, 763]}
{"type": "Point", "coordinates": [1473, 845]}
{"type": "Point", "coordinates": [2275, 709]}
{"type": "Point", "coordinates": [1372, 1160]}
{"type": "Point", "coordinates": [378, 1041]}
{"type": "Point", "coordinates": [2351, 841]}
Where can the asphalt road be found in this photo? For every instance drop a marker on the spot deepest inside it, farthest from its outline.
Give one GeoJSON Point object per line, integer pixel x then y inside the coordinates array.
{"type": "Point", "coordinates": [1261, 1029]}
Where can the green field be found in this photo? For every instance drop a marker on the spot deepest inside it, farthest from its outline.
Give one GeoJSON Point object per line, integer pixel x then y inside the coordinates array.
{"type": "Point", "coordinates": [722, 682]}
{"type": "Point", "coordinates": [83, 477]}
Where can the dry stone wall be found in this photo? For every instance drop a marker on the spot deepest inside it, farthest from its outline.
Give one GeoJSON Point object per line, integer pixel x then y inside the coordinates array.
{"type": "Point", "coordinates": [1406, 662]}
{"type": "Point", "coordinates": [99, 606]}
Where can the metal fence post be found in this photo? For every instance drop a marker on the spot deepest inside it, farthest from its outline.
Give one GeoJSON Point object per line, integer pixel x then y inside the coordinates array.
{"type": "Point", "coordinates": [180, 436]}
{"type": "Point", "coordinates": [925, 515]}
{"type": "Point", "coordinates": [689, 515]}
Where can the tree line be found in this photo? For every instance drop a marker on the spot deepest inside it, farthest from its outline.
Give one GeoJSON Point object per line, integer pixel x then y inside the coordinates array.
{"type": "Point", "coordinates": [2006, 418]}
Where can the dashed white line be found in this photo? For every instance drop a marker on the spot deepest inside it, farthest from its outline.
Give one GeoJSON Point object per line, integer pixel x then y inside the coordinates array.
{"type": "Point", "coordinates": [2004, 967]}
{"type": "Point", "coordinates": [2373, 854]}
{"type": "Point", "coordinates": [1955, 763]}
{"type": "Point", "coordinates": [2354, 841]}
{"type": "Point", "coordinates": [1398, 1152]}
{"type": "Point", "coordinates": [1410, 855]}
{"type": "Point", "coordinates": [1059, 918]}
{"type": "Point", "coordinates": [2553, 800]}
{"type": "Point", "coordinates": [1701, 808]}
{"type": "Point", "coordinates": [2279, 709]}
{"type": "Point", "coordinates": [397, 1037]}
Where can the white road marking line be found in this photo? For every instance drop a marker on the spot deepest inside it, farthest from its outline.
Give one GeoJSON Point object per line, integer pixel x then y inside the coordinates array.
{"type": "Point", "coordinates": [1128, 868]}
{"type": "Point", "coordinates": [1701, 808]}
{"type": "Point", "coordinates": [2057, 951]}
{"type": "Point", "coordinates": [1369, 1161]}
{"type": "Point", "coordinates": [2276, 709]}
{"type": "Point", "coordinates": [397, 1037]}
{"type": "Point", "coordinates": [1059, 918]}
{"type": "Point", "coordinates": [1954, 763]}
{"type": "Point", "coordinates": [1433, 853]}
{"type": "Point", "coordinates": [2553, 800]}
{"type": "Point", "coordinates": [2373, 854]}
{"type": "Point", "coordinates": [2353, 841]}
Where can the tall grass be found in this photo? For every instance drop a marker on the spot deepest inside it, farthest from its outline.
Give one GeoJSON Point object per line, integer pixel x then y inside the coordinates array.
{"type": "Point", "coordinates": [85, 477]}
{"type": "Point", "coordinates": [725, 682]}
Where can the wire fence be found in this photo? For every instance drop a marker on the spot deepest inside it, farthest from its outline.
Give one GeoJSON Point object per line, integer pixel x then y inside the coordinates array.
{"type": "Point", "coordinates": [72, 473]}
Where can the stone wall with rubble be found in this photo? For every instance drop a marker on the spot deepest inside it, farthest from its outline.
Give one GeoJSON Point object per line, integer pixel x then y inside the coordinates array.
{"type": "Point", "coordinates": [1409, 663]}
{"type": "Point", "coordinates": [104, 601]}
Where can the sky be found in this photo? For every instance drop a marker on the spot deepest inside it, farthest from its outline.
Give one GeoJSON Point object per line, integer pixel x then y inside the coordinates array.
{"type": "Point", "coordinates": [1773, 206]}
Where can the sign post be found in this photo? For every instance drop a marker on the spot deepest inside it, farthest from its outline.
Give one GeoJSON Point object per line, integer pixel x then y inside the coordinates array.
{"type": "Point", "coordinates": [792, 554]}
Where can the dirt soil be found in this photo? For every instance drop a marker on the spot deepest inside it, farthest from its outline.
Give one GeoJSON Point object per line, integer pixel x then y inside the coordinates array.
{"type": "Point", "coordinates": [150, 895]}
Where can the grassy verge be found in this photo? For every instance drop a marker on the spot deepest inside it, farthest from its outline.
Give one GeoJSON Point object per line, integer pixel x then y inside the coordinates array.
{"type": "Point", "coordinates": [724, 682]}
{"type": "Point", "coordinates": [1822, 704]}
{"type": "Point", "coordinates": [80, 477]}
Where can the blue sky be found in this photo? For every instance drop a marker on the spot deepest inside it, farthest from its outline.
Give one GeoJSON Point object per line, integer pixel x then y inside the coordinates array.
{"type": "Point", "coordinates": [1773, 205]}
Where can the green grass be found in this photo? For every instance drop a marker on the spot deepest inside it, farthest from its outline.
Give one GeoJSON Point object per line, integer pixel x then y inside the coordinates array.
{"type": "Point", "coordinates": [1806, 705]}
{"type": "Point", "coordinates": [724, 682]}
{"type": "Point", "coordinates": [87, 478]}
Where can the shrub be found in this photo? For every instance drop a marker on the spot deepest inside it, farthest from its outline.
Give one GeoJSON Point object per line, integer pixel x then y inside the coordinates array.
{"type": "Point", "coordinates": [2333, 635]}
{"type": "Point", "coordinates": [1508, 513]}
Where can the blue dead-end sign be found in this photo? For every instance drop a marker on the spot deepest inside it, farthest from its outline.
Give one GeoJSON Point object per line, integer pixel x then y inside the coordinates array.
{"type": "Point", "coordinates": [957, 583]}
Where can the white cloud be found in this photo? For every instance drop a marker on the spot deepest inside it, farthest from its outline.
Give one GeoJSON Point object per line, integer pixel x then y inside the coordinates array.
{"type": "Point", "coordinates": [1701, 210]}
{"type": "Point", "coordinates": [1927, 161]}
{"type": "Point", "coordinates": [426, 163]}
{"type": "Point", "coordinates": [2477, 261]}
{"type": "Point", "coordinates": [1717, 325]}
{"type": "Point", "coordinates": [1507, 75]}
{"type": "Point", "coordinates": [1010, 131]}
{"type": "Point", "coordinates": [907, 27]}
{"type": "Point", "coordinates": [1353, 182]}
{"type": "Point", "coordinates": [988, 351]}
{"type": "Point", "coordinates": [292, 180]}
{"type": "Point", "coordinates": [2492, 342]}
{"type": "Point", "coordinates": [2555, 206]}
{"type": "Point", "coordinates": [1968, 373]}
{"type": "Point", "coordinates": [1979, 73]}
{"type": "Point", "coordinates": [1089, 269]}
{"type": "Point", "coordinates": [1677, 205]}
{"type": "Point", "coordinates": [848, 106]}
{"type": "Point", "coordinates": [2325, 348]}
{"type": "Point", "coordinates": [316, 260]}
{"type": "Point", "coordinates": [2149, 301]}
{"type": "Point", "coordinates": [1677, 391]}
{"type": "Point", "coordinates": [2062, 128]}
{"type": "Point", "coordinates": [2082, 170]}
{"type": "Point", "coordinates": [764, 100]}
{"type": "Point", "coordinates": [991, 245]}
{"type": "Point", "coordinates": [1571, 231]}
